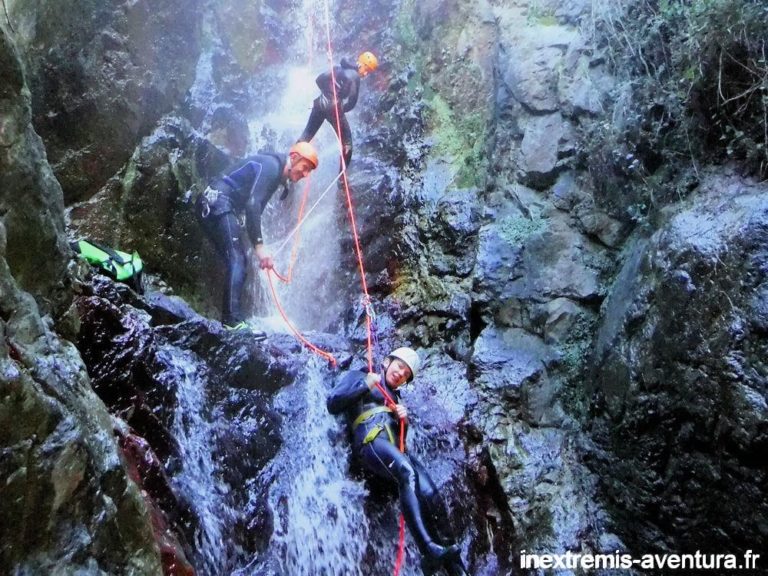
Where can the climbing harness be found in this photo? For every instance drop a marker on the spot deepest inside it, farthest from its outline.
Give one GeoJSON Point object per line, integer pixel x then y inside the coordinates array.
{"type": "Point", "coordinates": [374, 432]}
{"type": "Point", "coordinates": [368, 414]}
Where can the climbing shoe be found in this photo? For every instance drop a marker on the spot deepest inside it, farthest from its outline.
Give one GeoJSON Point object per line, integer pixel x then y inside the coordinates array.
{"type": "Point", "coordinates": [456, 567]}
{"type": "Point", "coordinates": [437, 557]}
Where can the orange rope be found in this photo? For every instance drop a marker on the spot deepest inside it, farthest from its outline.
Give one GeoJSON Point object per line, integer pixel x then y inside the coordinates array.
{"type": "Point", "coordinates": [350, 209]}
{"type": "Point", "coordinates": [297, 238]}
{"type": "Point", "coordinates": [359, 254]}
{"type": "Point", "coordinates": [327, 355]}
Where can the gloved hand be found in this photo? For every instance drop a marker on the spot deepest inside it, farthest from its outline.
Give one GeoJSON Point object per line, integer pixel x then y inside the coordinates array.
{"type": "Point", "coordinates": [371, 379]}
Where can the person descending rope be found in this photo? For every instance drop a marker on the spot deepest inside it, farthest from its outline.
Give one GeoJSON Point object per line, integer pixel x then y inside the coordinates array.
{"type": "Point", "coordinates": [374, 427]}
{"type": "Point", "coordinates": [247, 189]}
{"type": "Point", "coordinates": [347, 89]}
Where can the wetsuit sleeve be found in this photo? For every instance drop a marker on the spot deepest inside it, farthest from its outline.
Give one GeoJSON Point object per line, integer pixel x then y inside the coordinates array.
{"type": "Point", "coordinates": [354, 89]}
{"type": "Point", "coordinates": [324, 83]}
{"type": "Point", "coordinates": [250, 178]}
{"type": "Point", "coordinates": [253, 209]}
{"type": "Point", "coordinates": [350, 389]}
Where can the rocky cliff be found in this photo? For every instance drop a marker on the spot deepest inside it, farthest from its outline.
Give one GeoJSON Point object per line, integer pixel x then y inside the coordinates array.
{"type": "Point", "coordinates": [591, 317]}
{"type": "Point", "coordinates": [65, 499]}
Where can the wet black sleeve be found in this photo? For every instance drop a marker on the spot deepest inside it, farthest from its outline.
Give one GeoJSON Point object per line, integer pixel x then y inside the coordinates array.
{"type": "Point", "coordinates": [253, 209]}
{"type": "Point", "coordinates": [324, 83]}
{"type": "Point", "coordinates": [349, 390]}
{"type": "Point", "coordinates": [262, 187]}
{"type": "Point", "coordinates": [354, 89]}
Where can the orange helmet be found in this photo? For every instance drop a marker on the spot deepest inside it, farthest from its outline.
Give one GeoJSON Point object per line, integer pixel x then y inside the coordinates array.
{"type": "Point", "coordinates": [368, 60]}
{"type": "Point", "coordinates": [306, 151]}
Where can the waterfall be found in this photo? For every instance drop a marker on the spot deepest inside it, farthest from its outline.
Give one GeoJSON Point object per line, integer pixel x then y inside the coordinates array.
{"type": "Point", "coordinates": [317, 509]}
{"type": "Point", "coordinates": [194, 428]}
{"type": "Point", "coordinates": [313, 296]}
{"type": "Point", "coordinates": [320, 527]}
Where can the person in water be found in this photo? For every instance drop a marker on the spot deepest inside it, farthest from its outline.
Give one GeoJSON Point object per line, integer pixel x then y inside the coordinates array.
{"type": "Point", "coordinates": [246, 190]}
{"type": "Point", "coordinates": [375, 431]}
{"type": "Point", "coordinates": [347, 77]}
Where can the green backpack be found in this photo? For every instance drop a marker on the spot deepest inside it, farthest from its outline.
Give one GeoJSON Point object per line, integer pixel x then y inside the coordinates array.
{"type": "Point", "coordinates": [121, 266]}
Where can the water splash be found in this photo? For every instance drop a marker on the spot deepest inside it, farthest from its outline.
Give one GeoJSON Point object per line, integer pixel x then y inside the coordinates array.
{"type": "Point", "coordinates": [195, 431]}
{"type": "Point", "coordinates": [320, 527]}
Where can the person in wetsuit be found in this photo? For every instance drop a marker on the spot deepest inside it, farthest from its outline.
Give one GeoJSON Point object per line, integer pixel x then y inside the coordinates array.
{"type": "Point", "coordinates": [347, 76]}
{"type": "Point", "coordinates": [247, 189]}
{"type": "Point", "coordinates": [375, 435]}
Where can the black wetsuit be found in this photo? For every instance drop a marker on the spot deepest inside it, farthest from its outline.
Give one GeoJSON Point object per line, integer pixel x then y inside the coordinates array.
{"type": "Point", "coordinates": [245, 189]}
{"type": "Point", "coordinates": [347, 91]}
{"type": "Point", "coordinates": [420, 500]}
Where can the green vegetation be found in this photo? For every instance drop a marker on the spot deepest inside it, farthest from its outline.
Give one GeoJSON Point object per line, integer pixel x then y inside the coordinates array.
{"type": "Point", "coordinates": [459, 130]}
{"type": "Point", "coordinates": [574, 353]}
{"type": "Point", "coordinates": [461, 140]}
{"type": "Point", "coordinates": [516, 229]}
{"type": "Point", "coordinates": [693, 89]}
{"type": "Point", "coordinates": [539, 15]}
{"type": "Point", "coordinates": [406, 31]}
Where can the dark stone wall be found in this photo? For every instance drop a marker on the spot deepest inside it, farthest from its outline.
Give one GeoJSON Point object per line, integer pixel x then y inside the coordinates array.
{"type": "Point", "coordinates": [101, 74]}
{"type": "Point", "coordinates": [31, 205]}
{"type": "Point", "coordinates": [680, 376]}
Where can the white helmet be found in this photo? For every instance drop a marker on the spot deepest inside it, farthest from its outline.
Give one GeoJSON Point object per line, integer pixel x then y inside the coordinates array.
{"type": "Point", "coordinates": [410, 357]}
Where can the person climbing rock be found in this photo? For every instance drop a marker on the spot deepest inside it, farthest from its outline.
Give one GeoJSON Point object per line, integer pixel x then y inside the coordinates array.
{"type": "Point", "coordinates": [375, 432]}
{"type": "Point", "coordinates": [246, 190]}
{"type": "Point", "coordinates": [347, 76]}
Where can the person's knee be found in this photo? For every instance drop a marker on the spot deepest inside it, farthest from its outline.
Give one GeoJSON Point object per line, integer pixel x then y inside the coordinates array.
{"type": "Point", "coordinates": [406, 474]}
{"type": "Point", "coordinates": [428, 491]}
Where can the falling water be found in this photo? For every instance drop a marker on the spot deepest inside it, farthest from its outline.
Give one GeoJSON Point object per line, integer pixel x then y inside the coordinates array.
{"type": "Point", "coordinates": [195, 431]}
{"type": "Point", "coordinates": [320, 527]}
{"type": "Point", "coordinates": [312, 296]}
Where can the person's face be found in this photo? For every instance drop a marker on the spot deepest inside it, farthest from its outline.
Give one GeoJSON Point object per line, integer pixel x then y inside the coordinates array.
{"type": "Point", "coordinates": [396, 373]}
{"type": "Point", "coordinates": [300, 168]}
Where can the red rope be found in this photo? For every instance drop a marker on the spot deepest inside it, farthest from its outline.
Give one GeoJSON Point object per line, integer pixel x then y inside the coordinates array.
{"type": "Point", "coordinates": [297, 237]}
{"type": "Point", "coordinates": [359, 254]}
{"type": "Point", "coordinates": [327, 355]}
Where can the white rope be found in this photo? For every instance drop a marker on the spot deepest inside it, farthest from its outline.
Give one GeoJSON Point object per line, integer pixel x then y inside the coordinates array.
{"type": "Point", "coordinates": [306, 215]}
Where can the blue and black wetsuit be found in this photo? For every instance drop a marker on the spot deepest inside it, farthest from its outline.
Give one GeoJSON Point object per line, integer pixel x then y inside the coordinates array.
{"type": "Point", "coordinates": [375, 437]}
{"type": "Point", "coordinates": [244, 190]}
{"type": "Point", "coordinates": [347, 91]}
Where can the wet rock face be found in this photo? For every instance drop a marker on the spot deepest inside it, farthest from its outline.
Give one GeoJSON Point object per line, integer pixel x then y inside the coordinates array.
{"type": "Point", "coordinates": [149, 208]}
{"type": "Point", "coordinates": [681, 374]}
{"type": "Point", "coordinates": [146, 356]}
{"type": "Point", "coordinates": [30, 198]}
{"type": "Point", "coordinates": [66, 499]}
{"type": "Point", "coordinates": [101, 74]}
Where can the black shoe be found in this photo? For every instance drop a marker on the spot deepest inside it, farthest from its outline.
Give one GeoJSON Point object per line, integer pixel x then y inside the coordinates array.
{"type": "Point", "coordinates": [448, 557]}
{"type": "Point", "coordinates": [442, 554]}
